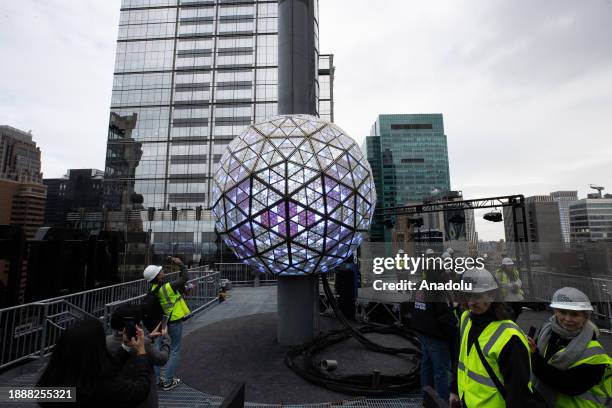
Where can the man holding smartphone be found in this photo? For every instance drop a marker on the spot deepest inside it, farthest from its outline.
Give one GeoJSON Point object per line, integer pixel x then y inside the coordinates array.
{"type": "Point", "coordinates": [170, 295]}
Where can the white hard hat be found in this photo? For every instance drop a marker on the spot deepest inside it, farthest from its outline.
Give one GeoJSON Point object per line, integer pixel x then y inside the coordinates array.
{"type": "Point", "coordinates": [480, 279]}
{"type": "Point", "coordinates": [400, 251]}
{"type": "Point", "coordinates": [450, 250]}
{"type": "Point", "coordinates": [571, 299]}
{"type": "Point", "coordinates": [445, 255]}
{"type": "Point", "coordinates": [151, 272]}
{"type": "Point", "coordinates": [429, 251]}
{"type": "Point", "coordinates": [507, 261]}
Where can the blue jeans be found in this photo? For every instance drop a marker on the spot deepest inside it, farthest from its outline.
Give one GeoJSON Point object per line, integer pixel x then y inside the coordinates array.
{"type": "Point", "coordinates": [435, 365]}
{"type": "Point", "coordinates": [175, 331]}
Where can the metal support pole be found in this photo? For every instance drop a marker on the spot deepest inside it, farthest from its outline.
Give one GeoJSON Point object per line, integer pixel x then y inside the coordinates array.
{"type": "Point", "coordinates": [298, 296]}
{"type": "Point", "coordinates": [517, 249]}
{"type": "Point", "coordinates": [296, 57]}
{"type": "Point", "coordinates": [526, 248]}
{"type": "Point", "coordinates": [298, 309]}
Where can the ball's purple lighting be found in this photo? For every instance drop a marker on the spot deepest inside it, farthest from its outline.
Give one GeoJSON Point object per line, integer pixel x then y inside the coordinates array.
{"type": "Point", "coordinates": [293, 195]}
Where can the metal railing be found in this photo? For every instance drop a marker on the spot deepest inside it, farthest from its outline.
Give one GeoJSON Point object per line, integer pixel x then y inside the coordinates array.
{"type": "Point", "coordinates": [31, 330]}
{"type": "Point", "coordinates": [243, 274]}
{"type": "Point", "coordinates": [203, 293]}
{"type": "Point", "coordinates": [599, 291]}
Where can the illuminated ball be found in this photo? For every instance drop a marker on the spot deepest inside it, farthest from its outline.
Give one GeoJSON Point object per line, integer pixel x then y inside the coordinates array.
{"type": "Point", "coordinates": [293, 195]}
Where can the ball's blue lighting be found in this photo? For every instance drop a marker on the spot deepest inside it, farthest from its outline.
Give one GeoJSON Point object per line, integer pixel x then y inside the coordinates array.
{"type": "Point", "coordinates": [293, 195]}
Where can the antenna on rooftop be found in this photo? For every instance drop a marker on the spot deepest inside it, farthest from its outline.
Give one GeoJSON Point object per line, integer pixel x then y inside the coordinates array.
{"type": "Point", "coordinates": [598, 188]}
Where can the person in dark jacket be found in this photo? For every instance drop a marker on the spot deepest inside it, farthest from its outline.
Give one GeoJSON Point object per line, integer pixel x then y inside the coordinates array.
{"type": "Point", "coordinates": [170, 295]}
{"type": "Point", "coordinates": [436, 326]}
{"type": "Point", "coordinates": [80, 359]}
{"type": "Point", "coordinates": [493, 367]}
{"type": "Point", "coordinates": [156, 356]}
{"type": "Point", "coordinates": [568, 361]}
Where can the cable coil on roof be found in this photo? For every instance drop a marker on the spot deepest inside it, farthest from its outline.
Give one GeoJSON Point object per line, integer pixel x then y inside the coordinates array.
{"type": "Point", "coordinates": [302, 359]}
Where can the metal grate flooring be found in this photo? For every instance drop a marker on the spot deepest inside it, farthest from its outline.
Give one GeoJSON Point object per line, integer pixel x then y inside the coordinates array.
{"type": "Point", "coordinates": [187, 397]}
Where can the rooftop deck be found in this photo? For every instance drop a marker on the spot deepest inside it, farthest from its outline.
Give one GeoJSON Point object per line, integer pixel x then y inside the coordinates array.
{"type": "Point", "coordinates": [241, 302]}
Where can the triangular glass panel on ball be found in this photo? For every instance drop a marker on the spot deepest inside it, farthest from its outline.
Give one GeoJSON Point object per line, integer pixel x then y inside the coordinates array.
{"type": "Point", "coordinates": [300, 188]}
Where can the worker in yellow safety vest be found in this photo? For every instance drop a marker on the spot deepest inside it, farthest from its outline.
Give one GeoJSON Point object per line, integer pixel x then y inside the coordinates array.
{"type": "Point", "coordinates": [511, 286]}
{"type": "Point", "coordinates": [170, 295]}
{"type": "Point", "coordinates": [493, 368]}
{"type": "Point", "coordinates": [571, 368]}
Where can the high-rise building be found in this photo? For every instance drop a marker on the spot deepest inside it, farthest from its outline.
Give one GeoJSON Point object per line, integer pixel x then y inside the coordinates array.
{"type": "Point", "coordinates": [591, 219]}
{"type": "Point", "coordinates": [19, 156]}
{"type": "Point", "coordinates": [564, 199]}
{"type": "Point", "coordinates": [409, 159]}
{"type": "Point", "coordinates": [454, 228]}
{"type": "Point", "coordinates": [78, 190]}
{"type": "Point", "coordinates": [189, 76]}
{"type": "Point", "coordinates": [543, 227]}
{"type": "Point", "coordinates": [23, 194]}
{"type": "Point", "coordinates": [22, 202]}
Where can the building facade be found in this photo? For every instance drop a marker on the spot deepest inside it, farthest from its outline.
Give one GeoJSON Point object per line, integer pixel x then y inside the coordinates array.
{"type": "Point", "coordinates": [454, 228]}
{"type": "Point", "coordinates": [543, 227]}
{"type": "Point", "coordinates": [22, 205]}
{"type": "Point", "coordinates": [189, 76]}
{"type": "Point", "coordinates": [409, 158]}
{"type": "Point", "coordinates": [19, 156]}
{"type": "Point", "coordinates": [23, 194]}
{"type": "Point", "coordinates": [78, 190]}
{"type": "Point", "coordinates": [564, 199]}
{"type": "Point", "coordinates": [591, 219]}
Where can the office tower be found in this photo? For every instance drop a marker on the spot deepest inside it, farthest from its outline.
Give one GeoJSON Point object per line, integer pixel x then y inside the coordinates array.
{"type": "Point", "coordinates": [591, 219]}
{"type": "Point", "coordinates": [454, 228]}
{"type": "Point", "coordinates": [543, 227]}
{"type": "Point", "coordinates": [189, 76]}
{"type": "Point", "coordinates": [19, 156]}
{"type": "Point", "coordinates": [23, 194]}
{"type": "Point", "coordinates": [22, 206]}
{"type": "Point", "coordinates": [409, 159]}
{"type": "Point", "coordinates": [564, 199]}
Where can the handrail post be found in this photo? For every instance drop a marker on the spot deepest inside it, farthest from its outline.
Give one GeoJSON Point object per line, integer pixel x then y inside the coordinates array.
{"type": "Point", "coordinates": [43, 335]}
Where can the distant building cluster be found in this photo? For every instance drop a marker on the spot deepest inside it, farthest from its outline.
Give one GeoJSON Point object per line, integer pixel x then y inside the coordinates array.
{"type": "Point", "coordinates": [189, 77]}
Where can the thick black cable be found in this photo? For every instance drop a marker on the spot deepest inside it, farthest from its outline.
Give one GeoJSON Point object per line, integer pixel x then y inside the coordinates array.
{"type": "Point", "coordinates": [302, 359]}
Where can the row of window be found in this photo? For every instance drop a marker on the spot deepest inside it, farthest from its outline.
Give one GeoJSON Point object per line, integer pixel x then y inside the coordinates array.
{"type": "Point", "coordinates": [158, 55]}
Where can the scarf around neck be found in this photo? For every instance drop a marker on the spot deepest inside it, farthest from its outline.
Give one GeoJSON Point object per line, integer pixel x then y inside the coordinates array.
{"type": "Point", "coordinates": [579, 339]}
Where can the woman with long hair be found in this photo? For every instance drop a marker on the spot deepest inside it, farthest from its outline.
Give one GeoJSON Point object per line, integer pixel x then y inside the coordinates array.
{"type": "Point", "coordinates": [80, 359]}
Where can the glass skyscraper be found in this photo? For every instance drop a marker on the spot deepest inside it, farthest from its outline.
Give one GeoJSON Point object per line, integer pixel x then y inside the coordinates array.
{"type": "Point", "coordinates": [189, 76]}
{"type": "Point", "coordinates": [409, 159]}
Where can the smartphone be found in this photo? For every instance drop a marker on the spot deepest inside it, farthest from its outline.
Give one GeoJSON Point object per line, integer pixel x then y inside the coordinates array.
{"type": "Point", "coordinates": [130, 327]}
{"type": "Point", "coordinates": [532, 332]}
{"type": "Point", "coordinates": [164, 322]}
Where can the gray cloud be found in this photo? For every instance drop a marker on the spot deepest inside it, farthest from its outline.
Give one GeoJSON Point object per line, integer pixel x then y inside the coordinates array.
{"type": "Point", "coordinates": [525, 86]}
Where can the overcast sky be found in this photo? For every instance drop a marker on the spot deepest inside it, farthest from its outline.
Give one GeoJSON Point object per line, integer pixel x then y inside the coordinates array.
{"type": "Point", "coordinates": [525, 86]}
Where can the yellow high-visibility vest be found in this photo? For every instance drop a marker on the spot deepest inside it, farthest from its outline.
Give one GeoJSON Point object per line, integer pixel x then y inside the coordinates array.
{"type": "Point", "coordinates": [172, 302]}
{"type": "Point", "coordinates": [475, 385]}
{"type": "Point", "coordinates": [600, 395]}
{"type": "Point", "coordinates": [504, 279]}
